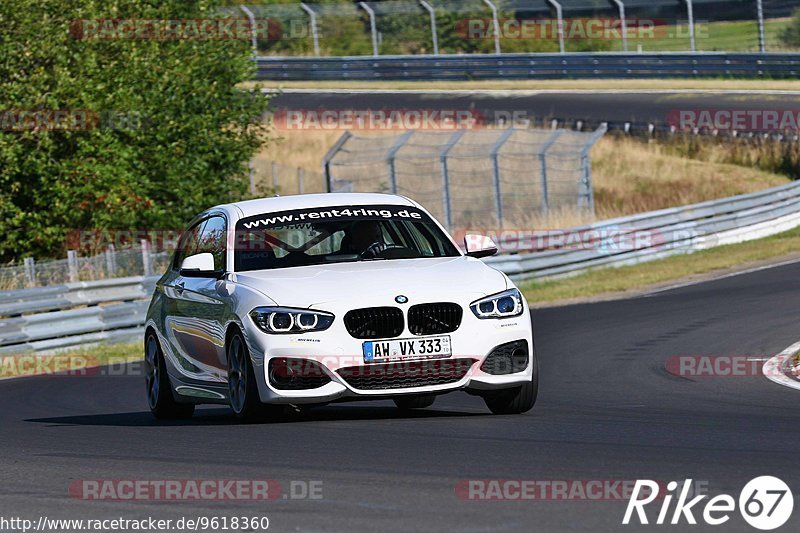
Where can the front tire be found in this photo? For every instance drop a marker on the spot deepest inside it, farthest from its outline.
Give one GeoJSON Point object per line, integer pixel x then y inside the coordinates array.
{"type": "Point", "coordinates": [415, 402]}
{"type": "Point", "coordinates": [159, 391]}
{"type": "Point", "coordinates": [517, 400]}
{"type": "Point", "coordinates": [242, 387]}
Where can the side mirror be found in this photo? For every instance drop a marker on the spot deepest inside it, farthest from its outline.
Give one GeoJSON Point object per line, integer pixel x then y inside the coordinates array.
{"type": "Point", "coordinates": [199, 266]}
{"type": "Point", "coordinates": [479, 245]}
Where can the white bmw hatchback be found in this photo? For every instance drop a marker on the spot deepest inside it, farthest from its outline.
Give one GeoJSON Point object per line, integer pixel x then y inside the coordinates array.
{"type": "Point", "coordinates": [311, 299]}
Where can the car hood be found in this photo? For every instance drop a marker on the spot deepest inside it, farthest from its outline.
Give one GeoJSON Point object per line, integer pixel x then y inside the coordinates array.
{"type": "Point", "coordinates": [370, 283]}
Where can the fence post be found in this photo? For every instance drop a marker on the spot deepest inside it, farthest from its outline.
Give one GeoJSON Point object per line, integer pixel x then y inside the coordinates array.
{"type": "Point", "coordinates": [326, 161]}
{"type": "Point", "coordinates": [434, 35]}
{"type": "Point", "coordinates": [373, 30]}
{"type": "Point", "coordinates": [498, 193]}
{"type": "Point", "coordinates": [623, 24]}
{"type": "Point", "coordinates": [762, 42]}
{"type": "Point", "coordinates": [253, 30]}
{"type": "Point", "coordinates": [560, 22]}
{"type": "Point", "coordinates": [543, 166]}
{"type": "Point", "coordinates": [72, 265]}
{"type": "Point", "coordinates": [300, 174]}
{"type": "Point", "coordinates": [495, 25]}
{"type": "Point", "coordinates": [690, 12]}
{"type": "Point", "coordinates": [275, 176]}
{"type": "Point", "coordinates": [111, 261]}
{"type": "Point", "coordinates": [252, 176]}
{"type": "Point", "coordinates": [586, 168]}
{"type": "Point", "coordinates": [147, 259]}
{"type": "Point", "coordinates": [30, 271]}
{"type": "Point", "coordinates": [399, 143]}
{"type": "Point", "coordinates": [314, 32]}
{"type": "Point", "coordinates": [448, 216]}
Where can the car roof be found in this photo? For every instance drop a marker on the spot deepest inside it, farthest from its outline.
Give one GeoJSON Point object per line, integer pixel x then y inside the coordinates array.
{"type": "Point", "coordinates": [301, 201]}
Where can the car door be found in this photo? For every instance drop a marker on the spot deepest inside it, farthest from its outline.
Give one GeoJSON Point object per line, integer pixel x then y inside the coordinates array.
{"type": "Point", "coordinates": [199, 309]}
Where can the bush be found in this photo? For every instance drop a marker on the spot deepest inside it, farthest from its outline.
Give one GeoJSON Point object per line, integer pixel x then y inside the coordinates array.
{"type": "Point", "coordinates": [790, 36]}
{"type": "Point", "coordinates": [170, 133]}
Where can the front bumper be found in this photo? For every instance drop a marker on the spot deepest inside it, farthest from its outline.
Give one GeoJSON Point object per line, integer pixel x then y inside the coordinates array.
{"type": "Point", "coordinates": [340, 356]}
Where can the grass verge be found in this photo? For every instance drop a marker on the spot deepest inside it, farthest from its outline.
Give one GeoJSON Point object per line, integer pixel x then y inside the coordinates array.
{"type": "Point", "coordinates": [75, 362]}
{"type": "Point", "coordinates": [635, 278]}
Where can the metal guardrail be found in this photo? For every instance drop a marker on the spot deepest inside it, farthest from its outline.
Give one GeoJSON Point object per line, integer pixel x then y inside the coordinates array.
{"type": "Point", "coordinates": [531, 66]}
{"type": "Point", "coordinates": [658, 234]}
{"type": "Point", "coordinates": [72, 315]}
{"type": "Point", "coordinates": [68, 315]}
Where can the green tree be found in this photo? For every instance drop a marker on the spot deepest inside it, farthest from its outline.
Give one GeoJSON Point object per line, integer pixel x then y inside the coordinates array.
{"type": "Point", "coordinates": [171, 133]}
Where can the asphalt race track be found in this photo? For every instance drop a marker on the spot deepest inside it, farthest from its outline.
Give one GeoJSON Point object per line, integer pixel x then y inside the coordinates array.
{"type": "Point", "coordinates": [607, 410]}
{"type": "Point", "coordinates": [615, 107]}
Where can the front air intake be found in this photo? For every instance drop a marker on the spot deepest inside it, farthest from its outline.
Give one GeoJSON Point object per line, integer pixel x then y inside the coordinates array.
{"type": "Point", "coordinates": [508, 358]}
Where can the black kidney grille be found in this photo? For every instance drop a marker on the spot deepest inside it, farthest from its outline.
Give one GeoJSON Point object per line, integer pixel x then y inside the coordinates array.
{"type": "Point", "coordinates": [374, 322]}
{"type": "Point", "coordinates": [402, 375]}
{"type": "Point", "coordinates": [434, 318]}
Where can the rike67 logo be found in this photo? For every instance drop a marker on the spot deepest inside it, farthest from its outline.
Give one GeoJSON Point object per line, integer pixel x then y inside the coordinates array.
{"type": "Point", "coordinates": [765, 503]}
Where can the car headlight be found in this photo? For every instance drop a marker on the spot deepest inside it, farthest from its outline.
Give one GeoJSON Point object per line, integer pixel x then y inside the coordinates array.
{"type": "Point", "coordinates": [288, 320]}
{"type": "Point", "coordinates": [504, 304]}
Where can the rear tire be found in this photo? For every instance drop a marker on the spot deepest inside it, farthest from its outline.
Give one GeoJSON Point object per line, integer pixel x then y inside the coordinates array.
{"type": "Point", "coordinates": [159, 390]}
{"type": "Point", "coordinates": [517, 400]}
{"type": "Point", "coordinates": [415, 402]}
{"type": "Point", "coordinates": [242, 387]}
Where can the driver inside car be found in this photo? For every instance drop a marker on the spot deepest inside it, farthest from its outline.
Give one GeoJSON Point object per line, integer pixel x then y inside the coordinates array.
{"type": "Point", "coordinates": [364, 238]}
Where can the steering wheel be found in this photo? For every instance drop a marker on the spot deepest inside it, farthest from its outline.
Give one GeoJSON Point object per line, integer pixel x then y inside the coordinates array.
{"type": "Point", "coordinates": [377, 248]}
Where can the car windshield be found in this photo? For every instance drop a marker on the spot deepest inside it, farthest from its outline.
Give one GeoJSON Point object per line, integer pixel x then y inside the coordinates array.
{"type": "Point", "coordinates": [341, 234]}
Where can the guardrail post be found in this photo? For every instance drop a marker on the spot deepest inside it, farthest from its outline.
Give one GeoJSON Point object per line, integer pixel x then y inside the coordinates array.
{"type": "Point", "coordinates": [30, 271]}
{"type": "Point", "coordinates": [111, 261]}
{"type": "Point", "coordinates": [390, 155]}
{"type": "Point", "coordinates": [147, 258]}
{"type": "Point", "coordinates": [253, 31]}
{"type": "Point", "coordinates": [560, 22]}
{"type": "Point", "coordinates": [762, 42]}
{"type": "Point", "coordinates": [373, 30]}
{"type": "Point", "coordinates": [314, 33]}
{"type": "Point", "coordinates": [498, 193]}
{"type": "Point", "coordinates": [448, 216]}
{"type": "Point", "coordinates": [72, 265]}
{"type": "Point", "coordinates": [300, 175]}
{"type": "Point", "coordinates": [623, 24]}
{"type": "Point", "coordinates": [434, 35]}
{"type": "Point", "coordinates": [326, 161]}
{"type": "Point", "coordinates": [495, 25]}
{"type": "Point", "coordinates": [543, 167]}
{"type": "Point", "coordinates": [690, 12]}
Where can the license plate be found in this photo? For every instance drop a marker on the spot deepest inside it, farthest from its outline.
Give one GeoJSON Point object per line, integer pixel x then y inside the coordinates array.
{"type": "Point", "coordinates": [404, 349]}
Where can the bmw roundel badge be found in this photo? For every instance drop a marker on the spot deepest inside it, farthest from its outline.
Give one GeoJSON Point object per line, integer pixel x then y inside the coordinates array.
{"type": "Point", "coordinates": [400, 299]}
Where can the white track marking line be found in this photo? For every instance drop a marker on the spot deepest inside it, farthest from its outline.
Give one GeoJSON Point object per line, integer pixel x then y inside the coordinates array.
{"type": "Point", "coordinates": [775, 368]}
